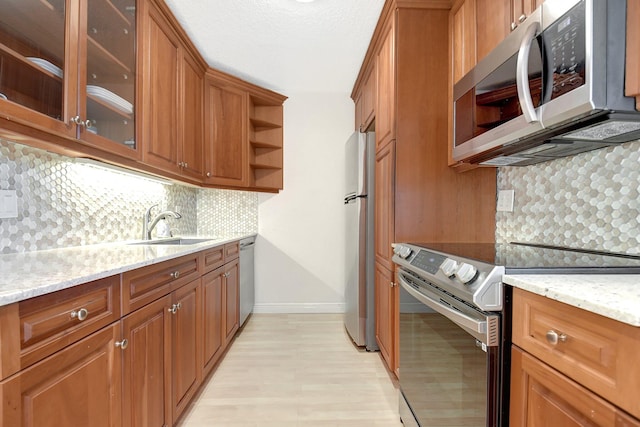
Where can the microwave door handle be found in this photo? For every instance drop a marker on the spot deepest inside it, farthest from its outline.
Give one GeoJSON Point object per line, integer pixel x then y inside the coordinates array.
{"type": "Point", "coordinates": [522, 74]}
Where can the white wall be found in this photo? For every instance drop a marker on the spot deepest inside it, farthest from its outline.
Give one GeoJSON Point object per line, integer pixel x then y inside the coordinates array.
{"type": "Point", "coordinates": [299, 255]}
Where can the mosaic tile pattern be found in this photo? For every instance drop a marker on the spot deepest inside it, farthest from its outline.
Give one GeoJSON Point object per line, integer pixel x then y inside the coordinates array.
{"type": "Point", "coordinates": [62, 203]}
{"type": "Point", "coordinates": [221, 212]}
{"type": "Point", "coordinates": [590, 200]}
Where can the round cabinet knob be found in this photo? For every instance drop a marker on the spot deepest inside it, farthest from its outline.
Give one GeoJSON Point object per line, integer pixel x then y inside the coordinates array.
{"type": "Point", "coordinates": [80, 314]}
{"type": "Point", "coordinates": [466, 273]}
{"type": "Point", "coordinates": [122, 344]}
{"type": "Point", "coordinates": [175, 274]}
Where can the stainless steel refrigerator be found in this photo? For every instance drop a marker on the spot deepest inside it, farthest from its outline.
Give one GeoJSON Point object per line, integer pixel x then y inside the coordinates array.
{"type": "Point", "coordinates": [359, 317]}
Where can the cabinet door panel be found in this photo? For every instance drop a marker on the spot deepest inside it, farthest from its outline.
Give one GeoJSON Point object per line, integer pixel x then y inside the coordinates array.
{"type": "Point", "coordinates": [212, 318]}
{"type": "Point", "coordinates": [493, 24]}
{"type": "Point", "coordinates": [542, 396]}
{"type": "Point", "coordinates": [231, 289]}
{"type": "Point", "coordinates": [192, 147]}
{"type": "Point", "coordinates": [78, 386]}
{"type": "Point", "coordinates": [160, 113]}
{"type": "Point", "coordinates": [147, 366]}
{"type": "Point", "coordinates": [384, 205]}
{"type": "Point", "coordinates": [386, 94]}
{"type": "Point", "coordinates": [186, 364]}
{"type": "Point", "coordinates": [464, 38]}
{"type": "Point", "coordinates": [384, 303]}
{"type": "Point", "coordinates": [226, 135]}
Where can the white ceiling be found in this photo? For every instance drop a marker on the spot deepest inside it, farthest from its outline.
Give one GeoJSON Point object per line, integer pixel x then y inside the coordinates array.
{"type": "Point", "coordinates": [283, 45]}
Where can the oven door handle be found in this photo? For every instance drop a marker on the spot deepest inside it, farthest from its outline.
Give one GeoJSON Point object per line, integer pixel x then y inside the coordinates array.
{"type": "Point", "coordinates": [484, 330]}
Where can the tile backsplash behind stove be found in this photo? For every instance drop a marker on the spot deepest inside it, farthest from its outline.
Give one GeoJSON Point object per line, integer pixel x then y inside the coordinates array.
{"type": "Point", "coordinates": [590, 201]}
{"type": "Point", "coordinates": [62, 203]}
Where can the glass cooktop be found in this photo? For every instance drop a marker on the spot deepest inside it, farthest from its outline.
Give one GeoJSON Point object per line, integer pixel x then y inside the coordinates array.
{"type": "Point", "coordinates": [534, 258]}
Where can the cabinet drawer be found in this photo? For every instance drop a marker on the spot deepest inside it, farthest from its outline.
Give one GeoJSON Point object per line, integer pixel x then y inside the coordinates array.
{"type": "Point", "coordinates": [597, 352]}
{"type": "Point", "coordinates": [52, 322]}
{"type": "Point", "coordinates": [231, 251]}
{"type": "Point", "coordinates": [212, 258]}
{"type": "Point", "coordinates": [144, 285]}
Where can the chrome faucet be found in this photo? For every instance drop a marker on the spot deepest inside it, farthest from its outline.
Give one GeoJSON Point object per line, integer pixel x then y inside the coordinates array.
{"type": "Point", "coordinates": [148, 223]}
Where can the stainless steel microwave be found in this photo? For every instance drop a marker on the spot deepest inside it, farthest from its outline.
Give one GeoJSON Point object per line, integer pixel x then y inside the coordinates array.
{"type": "Point", "coordinates": [553, 88]}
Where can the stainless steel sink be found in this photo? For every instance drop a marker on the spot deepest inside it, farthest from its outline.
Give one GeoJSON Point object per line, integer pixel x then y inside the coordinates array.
{"type": "Point", "coordinates": [176, 241]}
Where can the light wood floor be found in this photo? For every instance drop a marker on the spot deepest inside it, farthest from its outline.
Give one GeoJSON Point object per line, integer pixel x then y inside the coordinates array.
{"type": "Point", "coordinates": [296, 370]}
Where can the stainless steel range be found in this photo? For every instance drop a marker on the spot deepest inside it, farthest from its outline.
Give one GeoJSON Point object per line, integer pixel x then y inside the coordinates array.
{"type": "Point", "coordinates": [455, 328]}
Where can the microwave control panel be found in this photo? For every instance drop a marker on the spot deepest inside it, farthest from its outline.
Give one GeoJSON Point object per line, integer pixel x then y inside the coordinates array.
{"type": "Point", "coordinates": [564, 44]}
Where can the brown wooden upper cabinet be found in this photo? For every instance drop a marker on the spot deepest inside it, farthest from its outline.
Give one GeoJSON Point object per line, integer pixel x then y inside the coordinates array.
{"type": "Point", "coordinates": [172, 90]}
{"type": "Point", "coordinates": [69, 68]}
{"type": "Point", "coordinates": [366, 101]}
{"type": "Point", "coordinates": [386, 94]}
{"type": "Point", "coordinates": [462, 22]}
{"type": "Point", "coordinates": [497, 18]}
{"type": "Point", "coordinates": [226, 132]}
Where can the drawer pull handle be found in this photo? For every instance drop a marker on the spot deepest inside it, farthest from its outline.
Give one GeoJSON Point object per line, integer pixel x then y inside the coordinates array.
{"type": "Point", "coordinates": [122, 344]}
{"type": "Point", "coordinates": [175, 274]}
{"type": "Point", "coordinates": [81, 314]}
{"type": "Point", "coordinates": [173, 309]}
{"type": "Point", "coordinates": [553, 337]}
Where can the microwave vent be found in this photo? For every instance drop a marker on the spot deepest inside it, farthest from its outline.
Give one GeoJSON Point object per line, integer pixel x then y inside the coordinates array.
{"type": "Point", "coordinates": [604, 131]}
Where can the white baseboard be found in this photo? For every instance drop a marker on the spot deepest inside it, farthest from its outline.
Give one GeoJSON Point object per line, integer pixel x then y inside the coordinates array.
{"type": "Point", "coordinates": [285, 308]}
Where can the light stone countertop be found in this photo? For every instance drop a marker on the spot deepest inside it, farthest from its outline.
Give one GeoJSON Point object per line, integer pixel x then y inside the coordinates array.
{"type": "Point", "coordinates": [614, 296]}
{"type": "Point", "coordinates": [30, 274]}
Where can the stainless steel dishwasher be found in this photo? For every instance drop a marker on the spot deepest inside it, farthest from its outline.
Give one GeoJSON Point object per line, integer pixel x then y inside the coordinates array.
{"type": "Point", "coordinates": [247, 275]}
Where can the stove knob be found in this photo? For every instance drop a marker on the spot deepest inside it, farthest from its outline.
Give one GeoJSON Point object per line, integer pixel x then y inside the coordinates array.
{"type": "Point", "coordinates": [466, 273]}
{"type": "Point", "coordinates": [402, 251]}
{"type": "Point", "coordinates": [449, 267]}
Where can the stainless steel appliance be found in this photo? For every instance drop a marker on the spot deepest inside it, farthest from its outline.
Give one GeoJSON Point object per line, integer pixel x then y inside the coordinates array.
{"type": "Point", "coordinates": [359, 270]}
{"type": "Point", "coordinates": [554, 87]}
{"type": "Point", "coordinates": [455, 327]}
{"type": "Point", "coordinates": [247, 278]}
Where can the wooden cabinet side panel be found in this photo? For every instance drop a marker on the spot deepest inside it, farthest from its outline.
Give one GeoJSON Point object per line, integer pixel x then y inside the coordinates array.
{"type": "Point", "coordinates": [463, 32]}
{"type": "Point", "coordinates": [78, 386]}
{"type": "Point", "coordinates": [147, 366]}
{"type": "Point", "coordinates": [160, 93]}
{"type": "Point", "coordinates": [432, 201]}
{"type": "Point", "coordinates": [632, 75]}
{"type": "Point", "coordinates": [9, 340]}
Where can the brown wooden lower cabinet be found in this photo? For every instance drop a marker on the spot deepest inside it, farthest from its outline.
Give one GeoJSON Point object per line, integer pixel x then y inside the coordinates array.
{"type": "Point", "coordinates": [77, 386]}
{"type": "Point", "coordinates": [98, 369]}
{"type": "Point", "coordinates": [385, 302]}
{"type": "Point", "coordinates": [185, 344]}
{"type": "Point", "coordinates": [542, 396]}
{"type": "Point", "coordinates": [231, 299]}
{"type": "Point", "coordinates": [146, 369]}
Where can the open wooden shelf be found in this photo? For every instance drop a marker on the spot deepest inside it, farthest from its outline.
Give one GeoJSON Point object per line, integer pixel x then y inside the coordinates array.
{"type": "Point", "coordinates": [265, 143]}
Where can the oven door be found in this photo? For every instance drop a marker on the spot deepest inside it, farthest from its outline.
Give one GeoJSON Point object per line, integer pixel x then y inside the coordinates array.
{"type": "Point", "coordinates": [449, 359]}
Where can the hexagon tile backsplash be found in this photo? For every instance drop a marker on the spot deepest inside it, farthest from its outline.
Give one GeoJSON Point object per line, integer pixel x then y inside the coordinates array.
{"type": "Point", "coordinates": [590, 201]}
{"type": "Point", "coordinates": [62, 203]}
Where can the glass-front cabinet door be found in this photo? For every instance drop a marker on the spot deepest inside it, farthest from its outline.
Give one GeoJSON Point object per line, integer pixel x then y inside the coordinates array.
{"type": "Point", "coordinates": [34, 75]}
{"type": "Point", "coordinates": [108, 77]}
{"type": "Point", "coordinates": [69, 67]}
